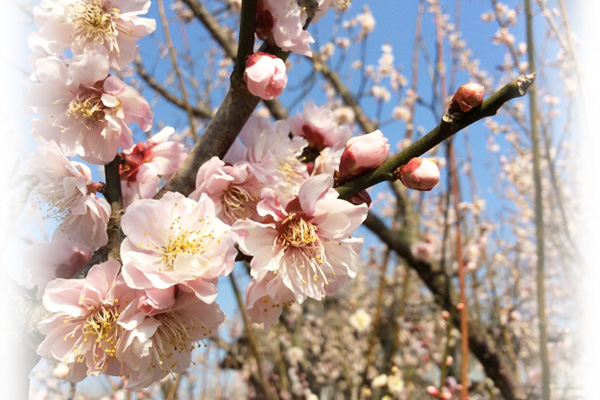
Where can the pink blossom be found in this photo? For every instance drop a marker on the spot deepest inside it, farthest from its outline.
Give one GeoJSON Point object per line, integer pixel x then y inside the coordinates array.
{"type": "Point", "coordinates": [419, 174]}
{"type": "Point", "coordinates": [84, 110]}
{"type": "Point", "coordinates": [288, 19]}
{"type": "Point", "coordinates": [271, 155]}
{"type": "Point", "coordinates": [307, 245]}
{"type": "Point", "coordinates": [433, 391]}
{"type": "Point", "coordinates": [234, 189]}
{"type": "Point", "coordinates": [262, 307]}
{"type": "Point", "coordinates": [176, 241]}
{"type": "Point", "coordinates": [67, 189]}
{"type": "Point", "coordinates": [144, 165]}
{"type": "Point", "coordinates": [83, 330]}
{"type": "Point", "coordinates": [81, 25]}
{"type": "Point", "coordinates": [60, 258]}
{"type": "Point", "coordinates": [328, 161]}
{"type": "Point", "coordinates": [363, 153]}
{"type": "Point", "coordinates": [422, 250]}
{"type": "Point", "coordinates": [265, 75]}
{"type": "Point", "coordinates": [319, 127]}
{"type": "Point", "coordinates": [161, 343]}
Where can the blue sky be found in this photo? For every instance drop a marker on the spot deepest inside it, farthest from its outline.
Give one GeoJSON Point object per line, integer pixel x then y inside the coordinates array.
{"type": "Point", "coordinates": [395, 26]}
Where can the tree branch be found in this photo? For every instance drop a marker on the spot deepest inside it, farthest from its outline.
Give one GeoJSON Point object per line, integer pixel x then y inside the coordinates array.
{"type": "Point", "coordinates": [220, 35]}
{"type": "Point", "coordinates": [448, 127]}
{"type": "Point", "coordinates": [170, 97]}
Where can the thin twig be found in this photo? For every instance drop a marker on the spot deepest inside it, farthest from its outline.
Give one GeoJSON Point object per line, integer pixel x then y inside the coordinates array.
{"type": "Point", "coordinates": [464, 327]}
{"type": "Point", "coordinates": [170, 97]}
{"type": "Point", "coordinates": [539, 212]}
{"type": "Point", "coordinates": [182, 87]}
{"type": "Point", "coordinates": [447, 128]}
{"type": "Point", "coordinates": [377, 319]}
{"type": "Point", "coordinates": [266, 387]}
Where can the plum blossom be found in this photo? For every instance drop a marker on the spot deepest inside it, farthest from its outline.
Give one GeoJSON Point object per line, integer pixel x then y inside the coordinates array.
{"type": "Point", "coordinates": [84, 110]}
{"type": "Point", "coordinates": [67, 189]}
{"type": "Point", "coordinates": [81, 25]}
{"type": "Point", "coordinates": [176, 241]}
{"type": "Point", "coordinates": [272, 156]}
{"type": "Point", "coordinates": [83, 330]}
{"type": "Point", "coordinates": [161, 343]}
{"type": "Point", "coordinates": [234, 189]}
{"type": "Point", "coordinates": [60, 258]}
{"type": "Point", "coordinates": [285, 20]}
{"type": "Point", "coordinates": [361, 320]}
{"type": "Point", "coordinates": [318, 126]}
{"type": "Point", "coordinates": [307, 246]}
{"type": "Point", "coordinates": [144, 165]}
{"type": "Point", "coordinates": [263, 308]}
{"type": "Point", "coordinates": [265, 75]}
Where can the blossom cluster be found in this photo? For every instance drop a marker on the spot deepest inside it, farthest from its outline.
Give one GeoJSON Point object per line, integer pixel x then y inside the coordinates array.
{"type": "Point", "coordinates": [140, 316]}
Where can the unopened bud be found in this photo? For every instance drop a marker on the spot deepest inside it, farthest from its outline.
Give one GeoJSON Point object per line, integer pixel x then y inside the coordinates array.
{"type": "Point", "coordinates": [468, 96]}
{"type": "Point", "coordinates": [362, 154]}
{"type": "Point", "coordinates": [433, 391]}
{"type": "Point", "coordinates": [265, 75]}
{"type": "Point", "coordinates": [420, 174]}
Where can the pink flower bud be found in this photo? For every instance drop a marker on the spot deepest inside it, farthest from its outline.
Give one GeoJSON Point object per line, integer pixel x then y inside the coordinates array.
{"type": "Point", "coordinates": [468, 96]}
{"type": "Point", "coordinates": [433, 391]}
{"type": "Point", "coordinates": [362, 154]}
{"type": "Point", "coordinates": [265, 75]}
{"type": "Point", "coordinates": [419, 174]}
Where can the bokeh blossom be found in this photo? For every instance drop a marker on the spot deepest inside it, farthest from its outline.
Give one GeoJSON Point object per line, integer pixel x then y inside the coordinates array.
{"type": "Point", "coordinates": [81, 25]}
{"type": "Point", "coordinates": [86, 111]}
{"type": "Point", "coordinates": [67, 189]}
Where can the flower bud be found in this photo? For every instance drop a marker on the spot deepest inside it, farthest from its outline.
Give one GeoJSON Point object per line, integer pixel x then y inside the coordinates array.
{"type": "Point", "coordinates": [265, 75]}
{"type": "Point", "coordinates": [468, 96]}
{"type": "Point", "coordinates": [433, 391]}
{"type": "Point", "coordinates": [362, 154]}
{"type": "Point", "coordinates": [419, 174]}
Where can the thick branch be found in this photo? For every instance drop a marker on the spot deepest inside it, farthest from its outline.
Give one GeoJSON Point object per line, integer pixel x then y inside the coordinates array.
{"type": "Point", "coordinates": [221, 36]}
{"type": "Point", "coordinates": [447, 128]}
{"type": "Point", "coordinates": [219, 135]}
{"type": "Point", "coordinates": [482, 346]}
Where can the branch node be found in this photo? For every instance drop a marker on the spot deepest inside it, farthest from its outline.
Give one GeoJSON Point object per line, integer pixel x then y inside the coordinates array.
{"type": "Point", "coordinates": [524, 82]}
